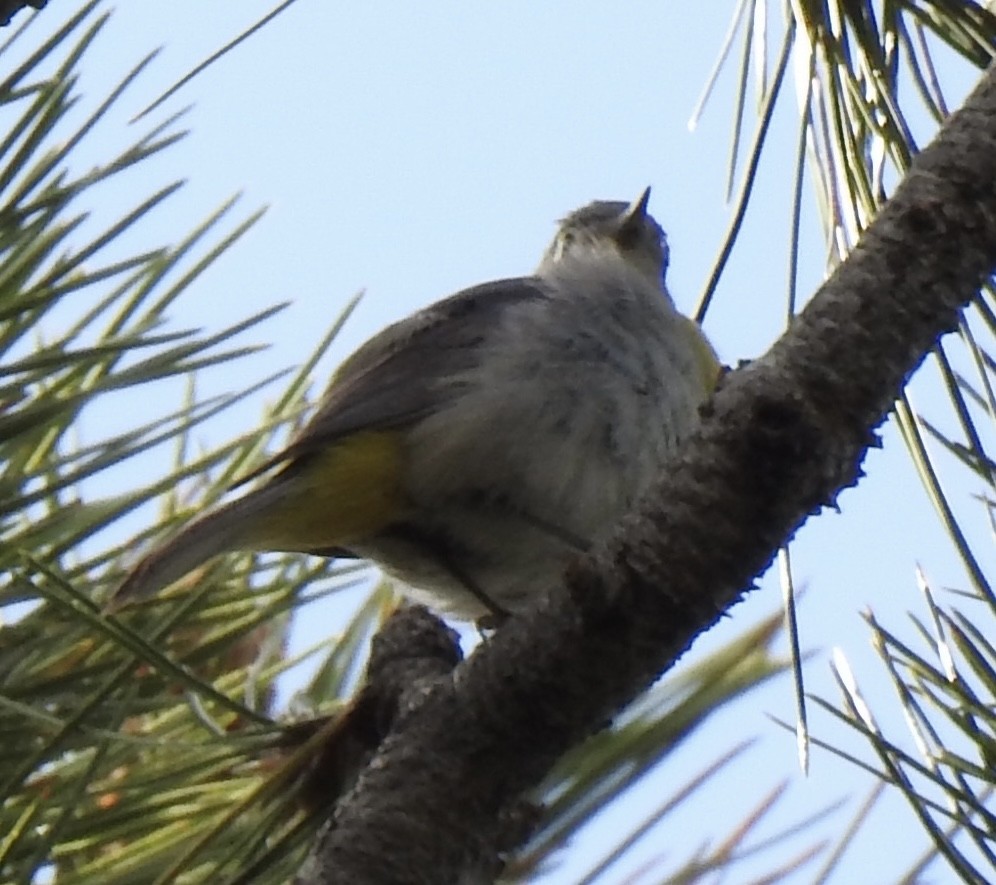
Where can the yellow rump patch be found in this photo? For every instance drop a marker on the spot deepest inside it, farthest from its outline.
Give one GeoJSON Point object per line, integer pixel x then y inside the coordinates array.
{"type": "Point", "coordinates": [351, 491]}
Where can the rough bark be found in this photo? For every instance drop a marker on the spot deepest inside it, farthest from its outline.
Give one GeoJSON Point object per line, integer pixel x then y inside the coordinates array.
{"type": "Point", "coordinates": [781, 438]}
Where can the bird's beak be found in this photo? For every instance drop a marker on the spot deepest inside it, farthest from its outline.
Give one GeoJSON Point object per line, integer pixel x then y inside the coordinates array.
{"type": "Point", "coordinates": [632, 219]}
{"type": "Point", "coordinates": [637, 210]}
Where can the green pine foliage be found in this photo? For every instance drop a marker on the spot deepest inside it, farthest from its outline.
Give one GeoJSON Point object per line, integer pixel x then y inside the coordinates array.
{"type": "Point", "coordinates": [147, 747]}
{"type": "Point", "coordinates": [865, 77]}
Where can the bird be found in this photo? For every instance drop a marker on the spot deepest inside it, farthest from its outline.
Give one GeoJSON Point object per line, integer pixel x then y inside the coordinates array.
{"type": "Point", "coordinates": [472, 449]}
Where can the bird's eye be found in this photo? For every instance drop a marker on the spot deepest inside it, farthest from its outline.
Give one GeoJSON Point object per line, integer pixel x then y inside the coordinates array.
{"type": "Point", "coordinates": [564, 243]}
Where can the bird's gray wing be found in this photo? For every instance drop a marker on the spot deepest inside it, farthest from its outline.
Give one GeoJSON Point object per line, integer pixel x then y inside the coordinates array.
{"type": "Point", "coordinates": [399, 376]}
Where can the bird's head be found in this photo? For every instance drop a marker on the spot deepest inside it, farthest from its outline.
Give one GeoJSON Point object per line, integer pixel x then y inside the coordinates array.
{"type": "Point", "coordinates": [625, 230]}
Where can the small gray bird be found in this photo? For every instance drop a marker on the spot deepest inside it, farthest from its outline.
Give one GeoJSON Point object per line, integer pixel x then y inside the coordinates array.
{"type": "Point", "coordinates": [473, 448]}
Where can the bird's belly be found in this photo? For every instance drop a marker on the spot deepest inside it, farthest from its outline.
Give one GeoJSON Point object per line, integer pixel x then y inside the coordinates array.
{"type": "Point", "coordinates": [506, 488]}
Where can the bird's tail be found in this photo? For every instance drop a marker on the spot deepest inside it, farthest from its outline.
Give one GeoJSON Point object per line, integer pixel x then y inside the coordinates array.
{"type": "Point", "coordinates": [229, 528]}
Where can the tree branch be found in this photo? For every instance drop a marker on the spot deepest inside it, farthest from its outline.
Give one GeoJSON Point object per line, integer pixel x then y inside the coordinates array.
{"type": "Point", "coordinates": [781, 438]}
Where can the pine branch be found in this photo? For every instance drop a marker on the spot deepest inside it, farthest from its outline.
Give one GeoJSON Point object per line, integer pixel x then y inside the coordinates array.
{"type": "Point", "coordinates": [782, 437]}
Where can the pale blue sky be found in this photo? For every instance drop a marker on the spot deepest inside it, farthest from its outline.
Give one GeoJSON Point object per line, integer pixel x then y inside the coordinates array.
{"type": "Point", "coordinates": [411, 150]}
